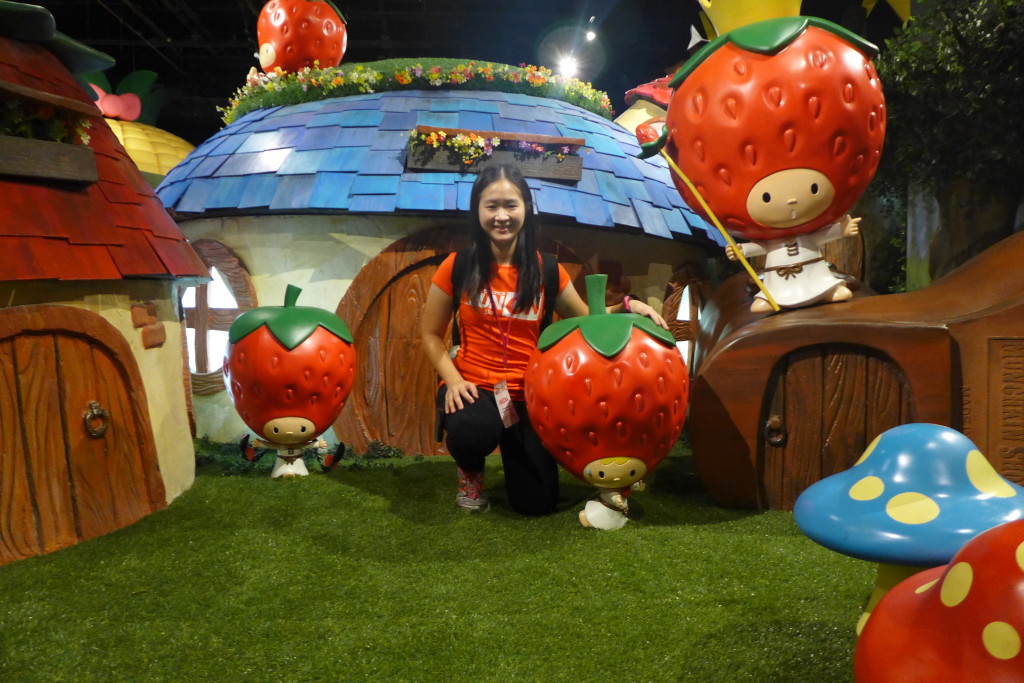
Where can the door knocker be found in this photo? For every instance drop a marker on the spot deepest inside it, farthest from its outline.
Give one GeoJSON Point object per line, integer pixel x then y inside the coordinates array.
{"type": "Point", "coordinates": [96, 420]}
{"type": "Point", "coordinates": [775, 431]}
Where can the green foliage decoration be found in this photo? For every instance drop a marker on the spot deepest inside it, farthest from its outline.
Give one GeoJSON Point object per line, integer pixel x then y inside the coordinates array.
{"type": "Point", "coordinates": [35, 121]}
{"type": "Point", "coordinates": [282, 88]}
{"type": "Point", "coordinates": [954, 87]}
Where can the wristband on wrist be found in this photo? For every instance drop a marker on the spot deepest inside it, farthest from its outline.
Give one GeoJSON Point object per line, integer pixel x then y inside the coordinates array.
{"type": "Point", "coordinates": [625, 304]}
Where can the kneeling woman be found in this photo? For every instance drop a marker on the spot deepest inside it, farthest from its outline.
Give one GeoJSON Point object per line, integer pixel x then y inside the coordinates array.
{"type": "Point", "coordinates": [481, 398]}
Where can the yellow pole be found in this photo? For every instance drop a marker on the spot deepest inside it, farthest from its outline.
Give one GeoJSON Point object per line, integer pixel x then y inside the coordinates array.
{"type": "Point", "coordinates": [728, 238]}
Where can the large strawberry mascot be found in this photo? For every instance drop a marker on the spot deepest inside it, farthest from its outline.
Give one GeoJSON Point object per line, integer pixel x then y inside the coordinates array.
{"type": "Point", "coordinates": [779, 127]}
{"type": "Point", "coordinates": [289, 370]}
{"type": "Point", "coordinates": [607, 395]}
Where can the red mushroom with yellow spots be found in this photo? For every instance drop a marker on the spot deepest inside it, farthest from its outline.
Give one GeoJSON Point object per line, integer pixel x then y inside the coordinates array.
{"type": "Point", "coordinates": [916, 496]}
{"type": "Point", "coordinates": [963, 621]}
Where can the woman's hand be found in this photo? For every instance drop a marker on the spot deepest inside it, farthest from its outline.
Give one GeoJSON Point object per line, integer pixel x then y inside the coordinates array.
{"type": "Point", "coordinates": [646, 310]}
{"type": "Point", "coordinates": [458, 394]}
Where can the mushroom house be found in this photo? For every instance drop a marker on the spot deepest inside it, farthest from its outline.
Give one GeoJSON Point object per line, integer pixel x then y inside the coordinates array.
{"type": "Point", "coordinates": [94, 422]}
{"type": "Point", "coordinates": [916, 496]}
{"type": "Point", "coordinates": [963, 621]}
{"type": "Point", "coordinates": [353, 183]}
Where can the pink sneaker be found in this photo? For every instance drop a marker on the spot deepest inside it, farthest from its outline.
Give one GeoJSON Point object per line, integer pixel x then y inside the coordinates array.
{"type": "Point", "coordinates": [471, 492]}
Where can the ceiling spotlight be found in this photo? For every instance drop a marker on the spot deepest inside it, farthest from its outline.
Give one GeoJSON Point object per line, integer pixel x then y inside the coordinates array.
{"type": "Point", "coordinates": [567, 66]}
{"type": "Point", "coordinates": [590, 35]}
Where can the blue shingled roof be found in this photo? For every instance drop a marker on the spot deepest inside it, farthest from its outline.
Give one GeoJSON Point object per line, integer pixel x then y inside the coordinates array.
{"type": "Point", "coordinates": [348, 155]}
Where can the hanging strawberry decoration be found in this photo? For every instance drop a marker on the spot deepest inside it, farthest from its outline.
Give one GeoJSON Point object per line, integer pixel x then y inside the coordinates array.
{"type": "Point", "coordinates": [293, 34]}
{"type": "Point", "coordinates": [289, 369]}
{"type": "Point", "coordinates": [607, 395]}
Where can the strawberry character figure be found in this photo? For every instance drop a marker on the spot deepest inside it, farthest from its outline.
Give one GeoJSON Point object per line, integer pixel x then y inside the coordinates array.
{"type": "Point", "coordinates": [295, 34]}
{"type": "Point", "coordinates": [607, 394]}
{"type": "Point", "coordinates": [616, 478]}
{"type": "Point", "coordinates": [779, 125]}
{"type": "Point", "coordinates": [289, 370]}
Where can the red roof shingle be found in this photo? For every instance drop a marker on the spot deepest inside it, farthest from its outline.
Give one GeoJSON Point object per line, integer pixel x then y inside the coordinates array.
{"type": "Point", "coordinates": [114, 228]}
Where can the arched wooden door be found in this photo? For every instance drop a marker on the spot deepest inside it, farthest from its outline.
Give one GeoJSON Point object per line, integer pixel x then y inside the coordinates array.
{"type": "Point", "coordinates": [392, 400]}
{"type": "Point", "coordinates": [77, 458]}
{"type": "Point", "coordinates": [823, 406]}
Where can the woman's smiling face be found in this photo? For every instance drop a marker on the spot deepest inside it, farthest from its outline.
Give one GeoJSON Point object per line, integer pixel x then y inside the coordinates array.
{"type": "Point", "coordinates": [502, 213]}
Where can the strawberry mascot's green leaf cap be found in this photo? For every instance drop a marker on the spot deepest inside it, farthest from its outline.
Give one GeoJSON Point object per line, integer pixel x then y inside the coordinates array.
{"type": "Point", "coordinates": [606, 333]}
{"type": "Point", "coordinates": [289, 362]}
{"type": "Point", "coordinates": [289, 324]}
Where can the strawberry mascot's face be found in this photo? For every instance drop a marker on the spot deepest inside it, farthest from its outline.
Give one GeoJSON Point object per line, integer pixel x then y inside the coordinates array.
{"type": "Point", "coordinates": [779, 125]}
{"type": "Point", "coordinates": [289, 370]}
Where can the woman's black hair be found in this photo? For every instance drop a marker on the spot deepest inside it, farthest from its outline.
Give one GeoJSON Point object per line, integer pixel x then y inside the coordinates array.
{"type": "Point", "coordinates": [524, 258]}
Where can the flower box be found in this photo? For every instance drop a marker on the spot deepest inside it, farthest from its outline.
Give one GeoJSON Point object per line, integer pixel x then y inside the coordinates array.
{"type": "Point", "coordinates": [44, 160]}
{"type": "Point", "coordinates": [536, 156]}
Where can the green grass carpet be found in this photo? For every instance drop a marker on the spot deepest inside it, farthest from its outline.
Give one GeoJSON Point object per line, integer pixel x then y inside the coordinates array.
{"type": "Point", "coordinates": [371, 573]}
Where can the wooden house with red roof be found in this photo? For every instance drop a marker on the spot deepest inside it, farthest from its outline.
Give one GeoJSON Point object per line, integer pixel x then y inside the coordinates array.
{"type": "Point", "coordinates": [94, 421]}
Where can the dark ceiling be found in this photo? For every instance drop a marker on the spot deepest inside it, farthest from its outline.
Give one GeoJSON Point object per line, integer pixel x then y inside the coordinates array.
{"type": "Point", "coordinates": [206, 47]}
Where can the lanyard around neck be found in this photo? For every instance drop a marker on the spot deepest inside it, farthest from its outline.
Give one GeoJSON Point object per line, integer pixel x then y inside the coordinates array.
{"type": "Point", "coordinates": [503, 333]}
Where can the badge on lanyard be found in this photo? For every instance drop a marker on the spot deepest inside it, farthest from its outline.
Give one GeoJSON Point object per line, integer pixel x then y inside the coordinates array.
{"type": "Point", "coordinates": [505, 408]}
{"type": "Point", "coordinates": [508, 413]}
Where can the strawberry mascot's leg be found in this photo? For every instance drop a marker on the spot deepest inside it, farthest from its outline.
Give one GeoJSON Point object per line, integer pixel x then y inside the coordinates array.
{"type": "Point", "coordinates": [248, 450]}
{"type": "Point", "coordinates": [331, 460]}
{"type": "Point", "coordinates": [609, 511]}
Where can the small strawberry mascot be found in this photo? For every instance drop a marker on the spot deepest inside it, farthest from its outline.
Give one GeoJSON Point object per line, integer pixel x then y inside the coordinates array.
{"type": "Point", "coordinates": [289, 370]}
{"type": "Point", "coordinates": [607, 396]}
{"type": "Point", "coordinates": [779, 126]}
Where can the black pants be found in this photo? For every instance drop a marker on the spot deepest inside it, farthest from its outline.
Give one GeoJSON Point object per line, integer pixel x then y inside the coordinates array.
{"type": "Point", "coordinates": [531, 474]}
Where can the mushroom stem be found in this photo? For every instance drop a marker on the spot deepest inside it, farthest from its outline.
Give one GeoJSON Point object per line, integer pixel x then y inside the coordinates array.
{"type": "Point", "coordinates": [886, 577]}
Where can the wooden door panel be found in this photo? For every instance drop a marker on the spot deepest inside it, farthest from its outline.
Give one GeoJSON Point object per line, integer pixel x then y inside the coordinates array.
{"type": "Point", "coordinates": [19, 537]}
{"type": "Point", "coordinates": [803, 419]}
{"type": "Point", "coordinates": [110, 488]}
{"type": "Point", "coordinates": [125, 468]}
{"type": "Point", "coordinates": [889, 400]}
{"type": "Point", "coordinates": [409, 379]}
{"type": "Point", "coordinates": [772, 463]}
{"type": "Point", "coordinates": [58, 485]}
{"type": "Point", "coordinates": [39, 401]}
{"type": "Point", "coordinates": [366, 401]}
{"type": "Point", "coordinates": [95, 503]}
{"type": "Point", "coordinates": [833, 400]}
{"type": "Point", "coordinates": [844, 409]}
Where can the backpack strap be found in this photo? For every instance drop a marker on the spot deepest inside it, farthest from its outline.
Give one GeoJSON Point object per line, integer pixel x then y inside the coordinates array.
{"type": "Point", "coordinates": [549, 266]}
{"type": "Point", "coordinates": [549, 270]}
{"type": "Point", "coordinates": [458, 276]}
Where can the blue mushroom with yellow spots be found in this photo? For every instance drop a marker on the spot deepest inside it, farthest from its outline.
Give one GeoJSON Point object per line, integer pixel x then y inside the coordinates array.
{"type": "Point", "coordinates": [913, 499]}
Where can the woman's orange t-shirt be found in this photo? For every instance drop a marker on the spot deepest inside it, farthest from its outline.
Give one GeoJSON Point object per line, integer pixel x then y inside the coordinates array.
{"type": "Point", "coordinates": [480, 358]}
